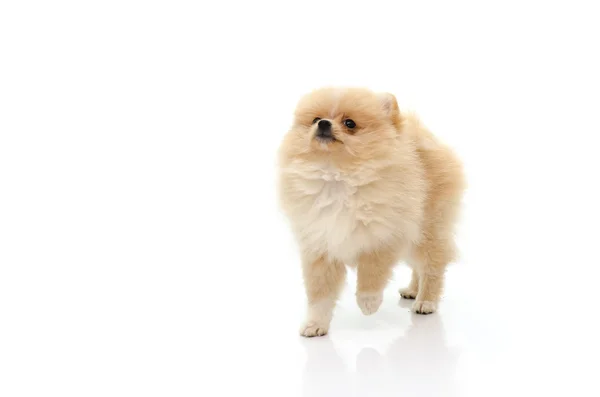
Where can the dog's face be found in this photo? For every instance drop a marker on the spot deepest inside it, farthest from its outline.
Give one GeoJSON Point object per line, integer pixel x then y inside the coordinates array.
{"type": "Point", "coordinates": [344, 122]}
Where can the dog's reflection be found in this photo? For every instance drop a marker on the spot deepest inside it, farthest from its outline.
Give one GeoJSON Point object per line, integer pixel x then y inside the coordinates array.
{"type": "Point", "coordinates": [325, 373]}
{"type": "Point", "coordinates": [419, 363]}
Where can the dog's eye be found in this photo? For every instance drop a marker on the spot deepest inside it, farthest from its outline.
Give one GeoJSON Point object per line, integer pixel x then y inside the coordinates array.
{"type": "Point", "coordinates": [349, 123]}
{"type": "Point", "coordinates": [316, 120]}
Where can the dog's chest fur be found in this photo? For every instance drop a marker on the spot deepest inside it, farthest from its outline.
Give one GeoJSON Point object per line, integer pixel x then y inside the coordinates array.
{"type": "Point", "coordinates": [339, 214]}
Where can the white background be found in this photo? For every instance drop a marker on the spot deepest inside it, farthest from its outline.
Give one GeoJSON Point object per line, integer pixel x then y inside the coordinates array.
{"type": "Point", "coordinates": [141, 248]}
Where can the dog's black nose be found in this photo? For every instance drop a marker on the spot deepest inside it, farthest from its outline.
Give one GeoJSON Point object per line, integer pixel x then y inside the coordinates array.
{"type": "Point", "coordinates": [324, 125]}
{"type": "Point", "coordinates": [324, 130]}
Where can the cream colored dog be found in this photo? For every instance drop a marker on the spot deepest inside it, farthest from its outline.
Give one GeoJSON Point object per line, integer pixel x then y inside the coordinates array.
{"type": "Point", "coordinates": [365, 185]}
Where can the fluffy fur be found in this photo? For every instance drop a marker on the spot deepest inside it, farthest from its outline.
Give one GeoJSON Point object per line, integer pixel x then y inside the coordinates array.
{"type": "Point", "coordinates": [384, 191]}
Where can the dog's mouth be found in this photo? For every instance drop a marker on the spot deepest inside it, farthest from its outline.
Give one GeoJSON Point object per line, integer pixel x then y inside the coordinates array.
{"type": "Point", "coordinates": [326, 138]}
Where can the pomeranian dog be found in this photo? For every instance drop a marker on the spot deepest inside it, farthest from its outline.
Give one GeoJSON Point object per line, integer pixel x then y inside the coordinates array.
{"type": "Point", "coordinates": [365, 185]}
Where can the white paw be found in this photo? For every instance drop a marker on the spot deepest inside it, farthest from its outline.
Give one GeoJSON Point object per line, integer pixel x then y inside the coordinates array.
{"type": "Point", "coordinates": [424, 307]}
{"type": "Point", "coordinates": [312, 328]}
{"type": "Point", "coordinates": [407, 293]}
{"type": "Point", "coordinates": [369, 303]}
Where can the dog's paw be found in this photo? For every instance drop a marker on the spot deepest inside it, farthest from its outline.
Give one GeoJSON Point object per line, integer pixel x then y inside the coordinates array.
{"type": "Point", "coordinates": [369, 303]}
{"type": "Point", "coordinates": [407, 293]}
{"type": "Point", "coordinates": [424, 307]}
{"type": "Point", "coordinates": [312, 328]}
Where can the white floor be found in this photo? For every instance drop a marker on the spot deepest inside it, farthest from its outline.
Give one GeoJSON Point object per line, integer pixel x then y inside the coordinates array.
{"type": "Point", "coordinates": [141, 249]}
{"type": "Point", "coordinates": [501, 337]}
{"type": "Point", "coordinates": [173, 320]}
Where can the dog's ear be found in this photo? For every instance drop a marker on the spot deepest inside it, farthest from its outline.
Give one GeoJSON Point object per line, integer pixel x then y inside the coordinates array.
{"type": "Point", "coordinates": [390, 106]}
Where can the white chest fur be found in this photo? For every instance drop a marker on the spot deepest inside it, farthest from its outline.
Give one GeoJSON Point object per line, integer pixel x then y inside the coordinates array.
{"type": "Point", "coordinates": [334, 216]}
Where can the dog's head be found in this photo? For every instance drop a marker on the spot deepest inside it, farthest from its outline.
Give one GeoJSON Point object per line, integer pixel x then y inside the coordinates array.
{"type": "Point", "coordinates": [351, 122]}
